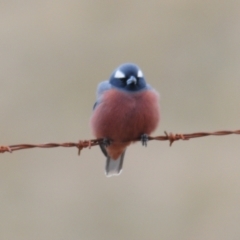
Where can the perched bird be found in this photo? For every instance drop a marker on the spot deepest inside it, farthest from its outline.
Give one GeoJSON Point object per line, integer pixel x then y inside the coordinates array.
{"type": "Point", "coordinates": [127, 109]}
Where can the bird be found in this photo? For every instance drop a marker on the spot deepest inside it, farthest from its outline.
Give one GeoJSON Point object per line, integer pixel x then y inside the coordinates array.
{"type": "Point", "coordinates": [127, 109]}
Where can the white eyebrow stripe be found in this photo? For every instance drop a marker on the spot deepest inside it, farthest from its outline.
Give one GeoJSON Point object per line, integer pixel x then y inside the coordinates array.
{"type": "Point", "coordinates": [119, 74]}
{"type": "Point", "coordinates": [140, 74]}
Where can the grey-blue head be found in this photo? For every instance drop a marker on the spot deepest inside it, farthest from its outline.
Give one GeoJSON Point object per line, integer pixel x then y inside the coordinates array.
{"type": "Point", "coordinates": [128, 77]}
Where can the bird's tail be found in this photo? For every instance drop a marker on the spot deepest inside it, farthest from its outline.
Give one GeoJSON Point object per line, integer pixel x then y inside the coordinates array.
{"type": "Point", "coordinates": [114, 167]}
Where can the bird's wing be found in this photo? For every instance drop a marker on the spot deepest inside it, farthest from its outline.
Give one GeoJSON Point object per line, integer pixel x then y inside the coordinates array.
{"type": "Point", "coordinates": [102, 87]}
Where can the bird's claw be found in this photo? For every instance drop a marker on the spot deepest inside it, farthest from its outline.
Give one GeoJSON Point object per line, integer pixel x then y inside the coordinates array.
{"type": "Point", "coordinates": [144, 139]}
{"type": "Point", "coordinates": [106, 142]}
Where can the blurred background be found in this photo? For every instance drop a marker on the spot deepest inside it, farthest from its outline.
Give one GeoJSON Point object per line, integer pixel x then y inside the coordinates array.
{"type": "Point", "coordinates": [53, 55]}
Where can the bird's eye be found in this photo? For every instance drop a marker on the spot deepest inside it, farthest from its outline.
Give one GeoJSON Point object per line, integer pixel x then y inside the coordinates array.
{"type": "Point", "coordinates": [119, 74]}
{"type": "Point", "coordinates": [140, 74]}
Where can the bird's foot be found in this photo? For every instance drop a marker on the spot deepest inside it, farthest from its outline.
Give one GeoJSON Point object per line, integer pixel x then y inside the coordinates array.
{"type": "Point", "coordinates": [106, 142]}
{"type": "Point", "coordinates": [144, 139]}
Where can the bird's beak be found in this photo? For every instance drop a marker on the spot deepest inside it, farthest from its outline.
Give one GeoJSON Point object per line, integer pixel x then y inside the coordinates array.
{"type": "Point", "coordinates": [132, 80]}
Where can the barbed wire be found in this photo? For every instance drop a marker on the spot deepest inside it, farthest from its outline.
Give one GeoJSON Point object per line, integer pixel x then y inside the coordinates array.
{"type": "Point", "coordinates": [171, 137]}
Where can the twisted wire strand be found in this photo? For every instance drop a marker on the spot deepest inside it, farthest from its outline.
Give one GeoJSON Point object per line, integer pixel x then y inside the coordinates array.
{"type": "Point", "coordinates": [171, 137]}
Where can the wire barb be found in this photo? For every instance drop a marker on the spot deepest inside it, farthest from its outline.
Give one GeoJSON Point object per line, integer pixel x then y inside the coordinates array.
{"type": "Point", "coordinates": [85, 144]}
{"type": "Point", "coordinates": [174, 137]}
{"type": "Point", "coordinates": [5, 149]}
{"type": "Point", "coordinates": [90, 143]}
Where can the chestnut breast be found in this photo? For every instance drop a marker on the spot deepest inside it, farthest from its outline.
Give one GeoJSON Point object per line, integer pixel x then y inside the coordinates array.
{"type": "Point", "coordinates": [123, 116]}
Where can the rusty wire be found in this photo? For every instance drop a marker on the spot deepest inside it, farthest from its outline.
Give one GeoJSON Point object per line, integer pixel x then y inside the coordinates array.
{"type": "Point", "coordinates": [89, 143]}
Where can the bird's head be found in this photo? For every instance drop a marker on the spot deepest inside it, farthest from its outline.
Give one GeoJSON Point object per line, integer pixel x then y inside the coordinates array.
{"type": "Point", "coordinates": [128, 77]}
